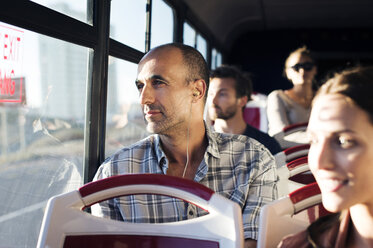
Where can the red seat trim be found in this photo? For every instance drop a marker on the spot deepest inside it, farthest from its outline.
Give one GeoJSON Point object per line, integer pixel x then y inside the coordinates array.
{"type": "Point", "coordinates": [147, 179]}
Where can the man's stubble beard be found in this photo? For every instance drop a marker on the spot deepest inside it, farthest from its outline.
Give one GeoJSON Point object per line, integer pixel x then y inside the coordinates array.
{"type": "Point", "coordinates": [166, 126]}
{"type": "Point", "coordinates": [227, 114]}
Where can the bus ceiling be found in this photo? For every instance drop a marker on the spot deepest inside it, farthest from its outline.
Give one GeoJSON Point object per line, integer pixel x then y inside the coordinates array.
{"type": "Point", "coordinates": [228, 20]}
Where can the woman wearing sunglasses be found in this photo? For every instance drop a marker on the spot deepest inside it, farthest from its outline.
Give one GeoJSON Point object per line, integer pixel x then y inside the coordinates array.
{"type": "Point", "coordinates": [286, 107]}
{"type": "Point", "coordinates": [341, 159]}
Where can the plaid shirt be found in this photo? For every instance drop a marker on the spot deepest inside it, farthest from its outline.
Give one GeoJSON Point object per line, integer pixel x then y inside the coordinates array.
{"type": "Point", "coordinates": [235, 166]}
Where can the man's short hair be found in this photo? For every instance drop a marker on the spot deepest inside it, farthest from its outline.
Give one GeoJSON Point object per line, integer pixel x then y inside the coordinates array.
{"type": "Point", "coordinates": [243, 84]}
{"type": "Point", "coordinates": [193, 60]}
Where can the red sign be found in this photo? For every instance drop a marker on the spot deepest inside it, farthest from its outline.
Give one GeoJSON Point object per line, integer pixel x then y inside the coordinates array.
{"type": "Point", "coordinates": [11, 58]}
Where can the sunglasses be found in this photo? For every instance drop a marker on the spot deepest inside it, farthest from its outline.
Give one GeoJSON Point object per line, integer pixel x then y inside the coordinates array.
{"type": "Point", "coordinates": [305, 66]}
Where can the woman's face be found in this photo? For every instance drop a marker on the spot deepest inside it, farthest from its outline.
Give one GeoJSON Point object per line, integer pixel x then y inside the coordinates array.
{"type": "Point", "coordinates": [341, 153]}
{"type": "Point", "coordinates": [300, 69]}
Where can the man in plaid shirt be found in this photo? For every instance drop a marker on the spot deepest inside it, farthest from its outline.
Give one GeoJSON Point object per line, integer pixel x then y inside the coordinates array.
{"type": "Point", "coordinates": [172, 80]}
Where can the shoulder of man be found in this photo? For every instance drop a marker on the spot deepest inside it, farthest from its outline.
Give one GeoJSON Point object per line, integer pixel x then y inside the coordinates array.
{"type": "Point", "coordinates": [136, 152]}
{"type": "Point", "coordinates": [128, 156]}
{"type": "Point", "coordinates": [248, 142]}
{"type": "Point", "coordinates": [143, 144]}
{"type": "Point", "coordinates": [264, 138]}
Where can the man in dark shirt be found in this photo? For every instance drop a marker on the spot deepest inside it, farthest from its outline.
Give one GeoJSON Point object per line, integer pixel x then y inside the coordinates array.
{"type": "Point", "coordinates": [228, 94]}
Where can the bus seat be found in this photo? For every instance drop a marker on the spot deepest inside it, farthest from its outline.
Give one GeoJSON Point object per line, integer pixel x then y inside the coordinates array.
{"type": "Point", "coordinates": [290, 214]}
{"type": "Point", "coordinates": [255, 113]}
{"type": "Point", "coordinates": [291, 153]}
{"type": "Point", "coordinates": [251, 116]}
{"type": "Point", "coordinates": [293, 176]}
{"type": "Point", "coordinates": [65, 224]}
{"type": "Point", "coordinates": [292, 135]}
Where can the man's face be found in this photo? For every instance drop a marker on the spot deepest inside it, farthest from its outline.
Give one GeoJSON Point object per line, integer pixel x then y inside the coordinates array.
{"type": "Point", "coordinates": [164, 94]}
{"type": "Point", "coordinates": [222, 101]}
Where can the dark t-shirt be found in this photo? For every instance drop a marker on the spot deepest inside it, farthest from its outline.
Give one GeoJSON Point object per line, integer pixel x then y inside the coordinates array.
{"type": "Point", "coordinates": [268, 141]}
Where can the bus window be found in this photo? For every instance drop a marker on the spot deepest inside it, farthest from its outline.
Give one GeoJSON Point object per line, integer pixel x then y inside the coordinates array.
{"type": "Point", "coordinates": [219, 59]}
{"type": "Point", "coordinates": [162, 23]}
{"type": "Point", "coordinates": [128, 22]}
{"type": "Point", "coordinates": [215, 59]}
{"type": "Point", "coordinates": [124, 122]}
{"type": "Point", "coordinates": [192, 38]}
{"type": "Point", "coordinates": [189, 35]}
{"type": "Point", "coordinates": [76, 9]}
{"type": "Point", "coordinates": [42, 114]}
{"type": "Point", "coordinates": [202, 45]}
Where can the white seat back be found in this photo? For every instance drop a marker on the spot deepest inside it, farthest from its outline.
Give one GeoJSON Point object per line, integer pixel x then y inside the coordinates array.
{"type": "Point", "coordinates": [292, 135]}
{"type": "Point", "coordinates": [291, 153]}
{"type": "Point", "coordinates": [66, 225]}
{"type": "Point", "coordinates": [290, 214]}
{"type": "Point", "coordinates": [293, 176]}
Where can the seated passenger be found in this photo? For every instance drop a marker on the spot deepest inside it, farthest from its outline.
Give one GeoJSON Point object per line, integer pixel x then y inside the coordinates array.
{"type": "Point", "coordinates": [341, 159]}
{"type": "Point", "coordinates": [228, 94]}
{"type": "Point", "coordinates": [172, 80]}
{"type": "Point", "coordinates": [286, 107]}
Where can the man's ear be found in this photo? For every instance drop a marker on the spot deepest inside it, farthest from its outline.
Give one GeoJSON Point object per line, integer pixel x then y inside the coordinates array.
{"type": "Point", "coordinates": [199, 89]}
{"type": "Point", "coordinates": [242, 101]}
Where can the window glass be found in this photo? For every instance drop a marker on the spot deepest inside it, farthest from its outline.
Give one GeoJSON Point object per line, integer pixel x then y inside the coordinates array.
{"type": "Point", "coordinates": [202, 45]}
{"type": "Point", "coordinates": [219, 59]}
{"type": "Point", "coordinates": [162, 23]}
{"type": "Point", "coordinates": [76, 9]}
{"type": "Point", "coordinates": [192, 38]}
{"type": "Point", "coordinates": [128, 22]}
{"type": "Point", "coordinates": [125, 122]}
{"type": "Point", "coordinates": [215, 58]}
{"type": "Point", "coordinates": [42, 112]}
{"type": "Point", "coordinates": [189, 35]}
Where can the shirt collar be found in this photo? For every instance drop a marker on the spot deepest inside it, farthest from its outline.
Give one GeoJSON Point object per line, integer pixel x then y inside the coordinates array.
{"type": "Point", "coordinates": [212, 146]}
{"type": "Point", "coordinates": [212, 149]}
{"type": "Point", "coordinates": [159, 154]}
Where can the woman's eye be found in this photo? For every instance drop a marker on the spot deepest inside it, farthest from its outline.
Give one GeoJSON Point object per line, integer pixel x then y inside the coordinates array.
{"type": "Point", "coordinates": [345, 142]}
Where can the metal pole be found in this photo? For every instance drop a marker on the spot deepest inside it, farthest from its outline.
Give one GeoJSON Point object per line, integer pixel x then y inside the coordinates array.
{"type": "Point", "coordinates": [148, 25]}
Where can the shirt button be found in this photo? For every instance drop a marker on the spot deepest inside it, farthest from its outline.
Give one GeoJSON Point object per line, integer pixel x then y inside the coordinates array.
{"type": "Point", "coordinates": [192, 211]}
